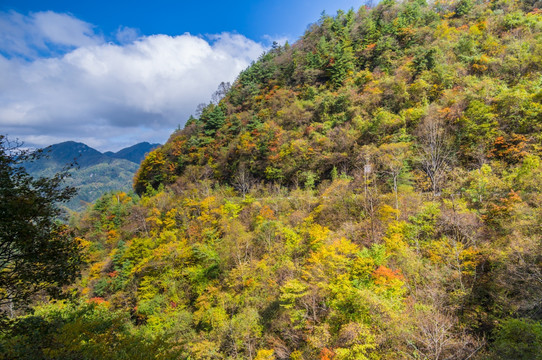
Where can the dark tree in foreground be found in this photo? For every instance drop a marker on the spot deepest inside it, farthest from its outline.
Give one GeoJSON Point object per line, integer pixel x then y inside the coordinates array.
{"type": "Point", "coordinates": [37, 252]}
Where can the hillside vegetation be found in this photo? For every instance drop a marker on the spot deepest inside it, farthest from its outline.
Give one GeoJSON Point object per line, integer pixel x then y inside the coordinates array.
{"type": "Point", "coordinates": [372, 191]}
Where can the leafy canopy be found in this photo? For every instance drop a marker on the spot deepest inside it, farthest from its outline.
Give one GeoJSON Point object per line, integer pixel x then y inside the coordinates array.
{"type": "Point", "coordinates": [37, 252]}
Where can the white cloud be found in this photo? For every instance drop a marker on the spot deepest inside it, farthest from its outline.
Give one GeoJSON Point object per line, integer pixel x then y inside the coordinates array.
{"type": "Point", "coordinates": [64, 29]}
{"type": "Point", "coordinates": [43, 33]}
{"type": "Point", "coordinates": [110, 95]}
{"type": "Point", "coordinates": [126, 35]}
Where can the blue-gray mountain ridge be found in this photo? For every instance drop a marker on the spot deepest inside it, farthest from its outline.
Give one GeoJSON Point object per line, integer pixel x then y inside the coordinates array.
{"type": "Point", "coordinates": [93, 173]}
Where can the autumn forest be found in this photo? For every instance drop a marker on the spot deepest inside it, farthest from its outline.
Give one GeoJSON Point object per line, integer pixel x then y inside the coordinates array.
{"type": "Point", "coordinates": [371, 191]}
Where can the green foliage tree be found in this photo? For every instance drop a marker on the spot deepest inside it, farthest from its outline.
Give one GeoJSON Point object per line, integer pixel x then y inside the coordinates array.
{"type": "Point", "coordinates": [518, 339]}
{"type": "Point", "coordinates": [214, 119]}
{"type": "Point", "coordinates": [82, 331]}
{"type": "Point", "coordinates": [37, 252]}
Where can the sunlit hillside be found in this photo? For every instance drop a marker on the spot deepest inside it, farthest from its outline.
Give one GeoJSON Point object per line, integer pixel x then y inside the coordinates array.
{"type": "Point", "coordinates": [372, 191]}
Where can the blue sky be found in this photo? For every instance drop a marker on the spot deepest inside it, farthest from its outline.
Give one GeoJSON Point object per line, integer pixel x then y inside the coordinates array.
{"type": "Point", "coordinates": [254, 19]}
{"type": "Point", "coordinates": [113, 73]}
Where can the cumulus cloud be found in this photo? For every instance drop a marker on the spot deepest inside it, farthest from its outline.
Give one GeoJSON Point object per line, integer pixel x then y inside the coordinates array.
{"type": "Point", "coordinates": [126, 35]}
{"type": "Point", "coordinates": [43, 33]}
{"type": "Point", "coordinates": [107, 94]}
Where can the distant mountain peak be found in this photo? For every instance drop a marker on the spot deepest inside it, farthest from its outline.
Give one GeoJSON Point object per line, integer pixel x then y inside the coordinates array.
{"type": "Point", "coordinates": [68, 151]}
{"type": "Point", "coordinates": [95, 172]}
{"type": "Point", "coordinates": [135, 153]}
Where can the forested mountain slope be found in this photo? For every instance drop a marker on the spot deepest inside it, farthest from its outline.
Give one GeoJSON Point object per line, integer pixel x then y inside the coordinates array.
{"type": "Point", "coordinates": [372, 191]}
{"type": "Point", "coordinates": [94, 173]}
{"type": "Point", "coordinates": [398, 74]}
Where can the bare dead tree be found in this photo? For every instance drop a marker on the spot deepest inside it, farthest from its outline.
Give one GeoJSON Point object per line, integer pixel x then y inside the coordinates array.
{"type": "Point", "coordinates": [137, 220]}
{"type": "Point", "coordinates": [393, 157]}
{"type": "Point", "coordinates": [438, 337]}
{"type": "Point", "coordinates": [434, 153]}
{"type": "Point", "coordinates": [243, 180]}
{"type": "Point", "coordinates": [522, 278]}
{"type": "Point", "coordinates": [220, 92]}
{"type": "Point", "coordinates": [199, 109]}
{"type": "Point", "coordinates": [367, 160]}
